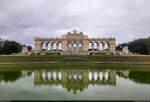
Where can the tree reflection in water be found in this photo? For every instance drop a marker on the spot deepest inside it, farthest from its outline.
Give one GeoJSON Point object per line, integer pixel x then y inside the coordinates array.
{"type": "Point", "coordinates": [137, 76]}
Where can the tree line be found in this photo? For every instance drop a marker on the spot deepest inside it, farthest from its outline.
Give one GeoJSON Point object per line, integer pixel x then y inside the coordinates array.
{"type": "Point", "coordinates": [9, 47]}
{"type": "Point", "coordinates": [141, 46]}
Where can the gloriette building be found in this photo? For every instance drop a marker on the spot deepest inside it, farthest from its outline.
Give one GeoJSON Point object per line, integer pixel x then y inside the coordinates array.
{"type": "Point", "coordinates": [74, 43]}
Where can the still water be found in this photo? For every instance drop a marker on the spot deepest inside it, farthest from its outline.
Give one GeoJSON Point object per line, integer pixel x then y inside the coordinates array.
{"type": "Point", "coordinates": [74, 84]}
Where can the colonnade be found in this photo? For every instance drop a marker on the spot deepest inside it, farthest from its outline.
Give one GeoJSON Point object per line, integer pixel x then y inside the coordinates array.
{"type": "Point", "coordinates": [53, 46]}
{"type": "Point", "coordinates": [74, 46]}
{"type": "Point", "coordinates": [99, 46]}
{"type": "Point", "coordinates": [64, 76]}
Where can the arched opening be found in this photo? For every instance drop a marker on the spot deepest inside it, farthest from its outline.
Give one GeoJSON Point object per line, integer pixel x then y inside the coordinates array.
{"type": "Point", "coordinates": [48, 46]}
{"type": "Point", "coordinates": [95, 75]}
{"type": "Point", "coordinates": [74, 46]}
{"type": "Point", "coordinates": [49, 75]}
{"type": "Point", "coordinates": [80, 76]}
{"type": "Point", "coordinates": [59, 75]}
{"type": "Point", "coordinates": [106, 75]}
{"type": "Point", "coordinates": [101, 46]}
{"type": "Point", "coordinates": [75, 76]}
{"type": "Point", "coordinates": [54, 46]}
{"type": "Point", "coordinates": [80, 46]}
{"type": "Point", "coordinates": [95, 46]}
{"type": "Point", "coordinates": [106, 45]}
{"type": "Point", "coordinates": [59, 46]}
{"type": "Point", "coordinates": [69, 46]}
{"type": "Point", "coordinates": [90, 46]}
{"type": "Point", "coordinates": [54, 76]}
{"type": "Point", "coordinates": [43, 76]}
{"type": "Point", "coordinates": [69, 76]}
{"type": "Point", "coordinates": [90, 76]}
{"type": "Point", "coordinates": [101, 76]}
{"type": "Point", "coordinates": [43, 46]}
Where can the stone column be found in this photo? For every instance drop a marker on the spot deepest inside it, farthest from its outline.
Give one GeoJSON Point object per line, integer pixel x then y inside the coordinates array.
{"type": "Point", "coordinates": [46, 46]}
{"type": "Point", "coordinates": [85, 43]}
{"type": "Point", "coordinates": [37, 77]}
{"type": "Point", "coordinates": [46, 76]}
{"type": "Point", "coordinates": [85, 79]}
{"type": "Point", "coordinates": [112, 77]}
{"type": "Point", "coordinates": [109, 47]}
{"type": "Point", "coordinates": [98, 77]}
{"type": "Point", "coordinates": [37, 44]}
{"type": "Point", "coordinates": [57, 46]}
{"type": "Point", "coordinates": [78, 47]}
{"type": "Point", "coordinates": [72, 47]}
{"type": "Point", "coordinates": [98, 46]}
{"type": "Point", "coordinates": [51, 75]}
{"type": "Point", "coordinates": [52, 46]}
{"type": "Point", "coordinates": [92, 47]}
{"type": "Point", "coordinates": [103, 76]}
{"type": "Point", "coordinates": [56, 75]}
{"type": "Point", "coordinates": [112, 46]}
{"type": "Point", "coordinates": [64, 77]}
{"type": "Point", "coordinates": [93, 76]}
{"type": "Point", "coordinates": [103, 46]}
{"type": "Point", "coordinates": [40, 46]}
{"type": "Point", "coordinates": [64, 45]}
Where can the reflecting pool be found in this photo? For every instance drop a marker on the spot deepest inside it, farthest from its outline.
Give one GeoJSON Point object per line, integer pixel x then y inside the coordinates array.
{"type": "Point", "coordinates": [74, 84]}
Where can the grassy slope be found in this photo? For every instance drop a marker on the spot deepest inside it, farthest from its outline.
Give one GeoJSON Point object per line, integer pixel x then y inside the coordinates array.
{"type": "Point", "coordinates": [70, 67]}
{"type": "Point", "coordinates": [92, 58]}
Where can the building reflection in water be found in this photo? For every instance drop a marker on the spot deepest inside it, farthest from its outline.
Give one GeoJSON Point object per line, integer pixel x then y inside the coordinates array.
{"type": "Point", "coordinates": [75, 80]}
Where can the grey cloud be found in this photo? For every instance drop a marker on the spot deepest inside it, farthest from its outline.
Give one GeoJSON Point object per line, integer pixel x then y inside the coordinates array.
{"type": "Point", "coordinates": [23, 20]}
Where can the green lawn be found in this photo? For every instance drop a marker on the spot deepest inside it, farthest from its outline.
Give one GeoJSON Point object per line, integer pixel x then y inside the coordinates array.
{"type": "Point", "coordinates": [59, 58]}
{"type": "Point", "coordinates": [70, 67]}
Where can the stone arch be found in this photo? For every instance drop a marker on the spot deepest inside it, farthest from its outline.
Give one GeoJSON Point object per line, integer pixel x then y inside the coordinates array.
{"type": "Point", "coordinates": [96, 45]}
{"type": "Point", "coordinates": [59, 75]}
{"type": "Point", "coordinates": [69, 45]}
{"type": "Point", "coordinates": [49, 75]}
{"type": "Point", "coordinates": [74, 46]}
{"type": "Point", "coordinates": [90, 45]}
{"type": "Point", "coordinates": [75, 76]}
{"type": "Point", "coordinates": [80, 45]}
{"type": "Point", "coordinates": [43, 46]}
{"type": "Point", "coordinates": [48, 46]}
{"type": "Point", "coordinates": [101, 46]}
{"type": "Point", "coordinates": [80, 76]}
{"type": "Point", "coordinates": [54, 76]}
{"type": "Point", "coordinates": [107, 46]}
{"type": "Point", "coordinates": [90, 76]}
{"type": "Point", "coordinates": [106, 76]}
{"type": "Point", "coordinates": [101, 75]}
{"type": "Point", "coordinates": [69, 76]}
{"type": "Point", "coordinates": [59, 46]}
{"type": "Point", "coordinates": [54, 46]}
{"type": "Point", "coordinates": [43, 77]}
{"type": "Point", "coordinates": [95, 75]}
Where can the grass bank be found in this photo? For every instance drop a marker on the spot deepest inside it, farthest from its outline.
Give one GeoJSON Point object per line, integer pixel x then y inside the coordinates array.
{"type": "Point", "coordinates": [74, 67]}
{"type": "Point", "coordinates": [59, 58]}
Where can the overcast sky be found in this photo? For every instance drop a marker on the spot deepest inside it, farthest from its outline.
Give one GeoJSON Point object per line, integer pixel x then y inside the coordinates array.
{"type": "Point", "coordinates": [23, 20]}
